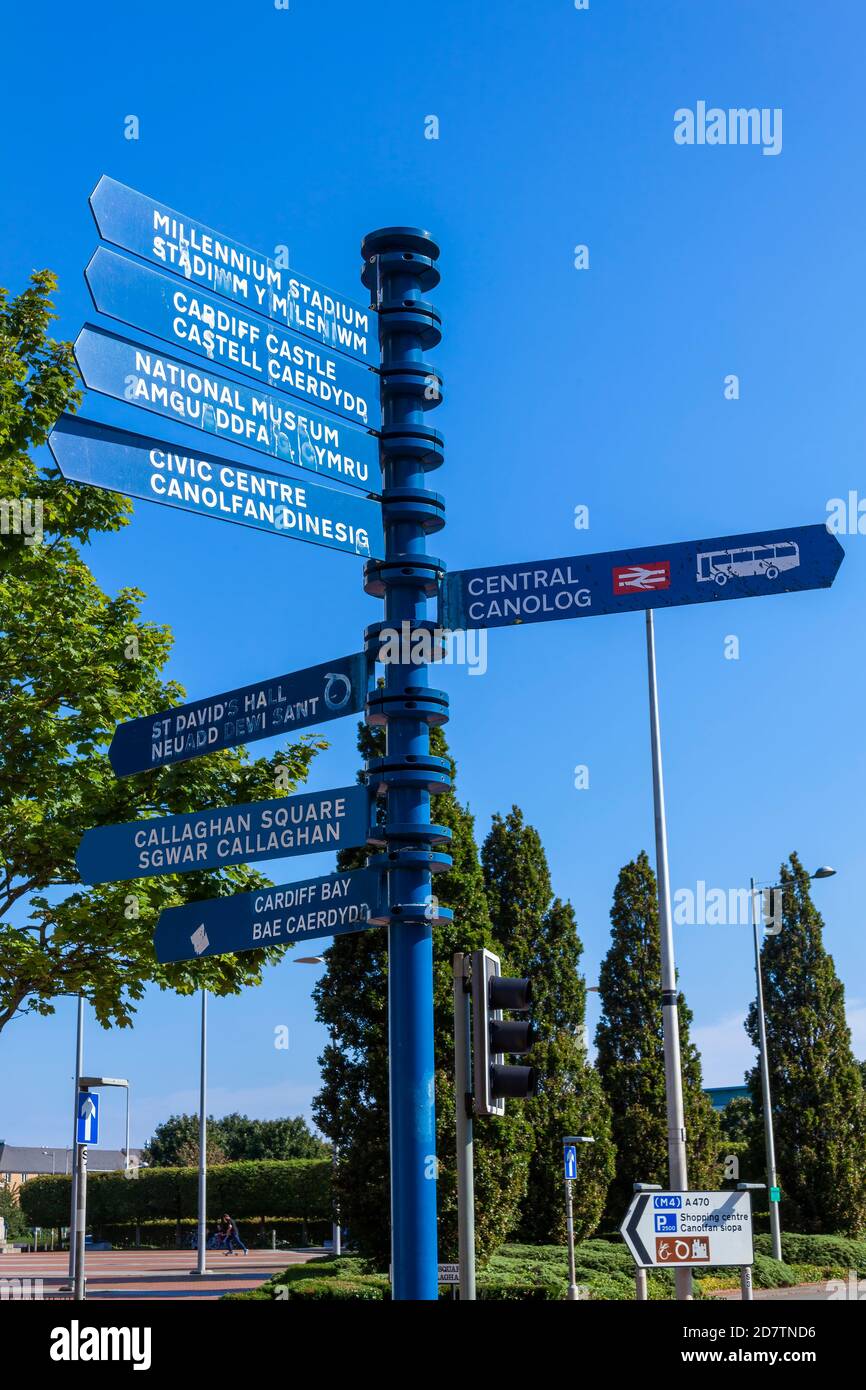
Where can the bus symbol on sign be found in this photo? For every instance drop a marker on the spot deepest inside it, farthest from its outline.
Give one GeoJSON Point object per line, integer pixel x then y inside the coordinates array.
{"type": "Point", "coordinates": [745, 562]}
{"type": "Point", "coordinates": [631, 579]}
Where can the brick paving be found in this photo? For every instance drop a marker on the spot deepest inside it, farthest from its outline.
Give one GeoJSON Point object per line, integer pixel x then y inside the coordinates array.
{"type": "Point", "coordinates": [151, 1275]}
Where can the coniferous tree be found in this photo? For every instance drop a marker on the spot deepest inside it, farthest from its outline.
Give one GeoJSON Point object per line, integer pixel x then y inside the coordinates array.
{"type": "Point", "coordinates": [537, 936]}
{"type": "Point", "coordinates": [819, 1102]}
{"type": "Point", "coordinates": [630, 1051]}
{"type": "Point", "coordinates": [352, 1106]}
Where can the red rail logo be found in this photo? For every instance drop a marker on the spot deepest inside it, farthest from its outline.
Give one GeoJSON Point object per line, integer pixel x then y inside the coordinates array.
{"type": "Point", "coordinates": [632, 579]}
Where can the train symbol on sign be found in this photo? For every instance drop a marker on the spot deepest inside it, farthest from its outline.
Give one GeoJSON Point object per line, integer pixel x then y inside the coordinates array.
{"type": "Point", "coordinates": [629, 579]}
{"type": "Point", "coordinates": [744, 562]}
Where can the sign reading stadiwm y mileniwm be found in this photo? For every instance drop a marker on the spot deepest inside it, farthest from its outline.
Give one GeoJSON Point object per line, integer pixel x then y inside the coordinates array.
{"type": "Point", "coordinates": [264, 709]}
{"type": "Point", "coordinates": [88, 452]}
{"type": "Point", "coordinates": [190, 318]}
{"type": "Point", "coordinates": [658, 576]}
{"type": "Point", "coordinates": [315, 907]}
{"type": "Point", "coordinates": [179, 243]}
{"type": "Point", "coordinates": [287, 826]}
{"type": "Point", "coordinates": [229, 410]}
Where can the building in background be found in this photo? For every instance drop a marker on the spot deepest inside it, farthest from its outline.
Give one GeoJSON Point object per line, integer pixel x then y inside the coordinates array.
{"type": "Point", "coordinates": [20, 1162]}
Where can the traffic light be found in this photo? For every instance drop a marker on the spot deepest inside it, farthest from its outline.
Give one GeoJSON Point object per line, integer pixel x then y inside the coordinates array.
{"type": "Point", "coordinates": [493, 1037]}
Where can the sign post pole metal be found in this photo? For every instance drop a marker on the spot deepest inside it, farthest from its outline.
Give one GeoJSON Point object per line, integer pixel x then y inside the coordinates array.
{"type": "Point", "coordinates": [399, 265]}
{"type": "Point", "coordinates": [79, 1067]}
{"type": "Point", "coordinates": [201, 1262]}
{"type": "Point", "coordinates": [766, 1100]}
{"type": "Point", "coordinates": [670, 1013]}
{"type": "Point", "coordinates": [463, 1118]}
{"type": "Point", "coordinates": [80, 1222]}
{"type": "Point", "coordinates": [746, 1283]}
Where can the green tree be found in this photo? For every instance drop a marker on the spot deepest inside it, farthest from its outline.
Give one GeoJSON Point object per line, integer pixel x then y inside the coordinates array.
{"type": "Point", "coordinates": [232, 1139]}
{"type": "Point", "coordinates": [77, 662]}
{"type": "Point", "coordinates": [17, 1227]}
{"type": "Point", "coordinates": [352, 1106]}
{"type": "Point", "coordinates": [537, 935]}
{"type": "Point", "coordinates": [738, 1120]}
{"type": "Point", "coordinates": [819, 1103]}
{"type": "Point", "coordinates": [630, 1050]}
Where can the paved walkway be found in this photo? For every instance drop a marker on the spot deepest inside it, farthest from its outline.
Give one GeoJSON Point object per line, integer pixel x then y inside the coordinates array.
{"type": "Point", "coordinates": [150, 1274]}
{"type": "Point", "coordinates": [807, 1292]}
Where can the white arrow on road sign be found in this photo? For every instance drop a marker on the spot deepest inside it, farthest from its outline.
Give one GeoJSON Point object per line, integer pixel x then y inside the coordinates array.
{"type": "Point", "coordinates": [689, 1228]}
{"type": "Point", "coordinates": [88, 1118]}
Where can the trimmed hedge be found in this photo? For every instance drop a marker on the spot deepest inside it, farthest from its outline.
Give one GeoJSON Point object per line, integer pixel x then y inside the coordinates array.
{"type": "Point", "coordinates": [297, 1190]}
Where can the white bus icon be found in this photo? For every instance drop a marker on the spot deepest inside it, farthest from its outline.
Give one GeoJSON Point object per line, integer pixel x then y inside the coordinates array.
{"type": "Point", "coordinates": [743, 562]}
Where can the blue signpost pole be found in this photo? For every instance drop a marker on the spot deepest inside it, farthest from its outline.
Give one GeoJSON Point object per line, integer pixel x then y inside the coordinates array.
{"type": "Point", "coordinates": [398, 268]}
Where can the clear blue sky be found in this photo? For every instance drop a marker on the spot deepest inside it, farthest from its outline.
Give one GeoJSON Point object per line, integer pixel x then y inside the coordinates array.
{"type": "Point", "coordinates": [602, 387]}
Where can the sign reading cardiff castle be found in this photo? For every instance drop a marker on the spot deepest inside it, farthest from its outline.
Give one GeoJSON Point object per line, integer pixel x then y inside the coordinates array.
{"type": "Point", "coordinates": [227, 409]}
{"type": "Point", "coordinates": [264, 709]}
{"type": "Point", "coordinates": [137, 223]}
{"type": "Point", "coordinates": [201, 323]}
{"type": "Point", "coordinates": [88, 452]}
{"type": "Point", "coordinates": [306, 824]}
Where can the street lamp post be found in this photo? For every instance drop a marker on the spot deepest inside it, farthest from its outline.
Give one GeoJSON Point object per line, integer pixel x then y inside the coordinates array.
{"type": "Point", "coordinates": [769, 1137]}
{"type": "Point", "coordinates": [87, 1083]}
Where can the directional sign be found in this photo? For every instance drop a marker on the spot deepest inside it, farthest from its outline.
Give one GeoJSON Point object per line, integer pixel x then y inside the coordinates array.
{"type": "Point", "coordinates": [328, 906]}
{"type": "Point", "coordinates": [179, 243]}
{"type": "Point", "coordinates": [88, 452]}
{"type": "Point", "coordinates": [280, 705]}
{"type": "Point", "coordinates": [87, 1126]}
{"type": "Point", "coordinates": [689, 1228]}
{"type": "Point", "coordinates": [278, 829]}
{"type": "Point", "coordinates": [658, 576]}
{"type": "Point", "coordinates": [569, 1156]}
{"type": "Point", "coordinates": [231, 410]}
{"type": "Point", "coordinates": [201, 323]}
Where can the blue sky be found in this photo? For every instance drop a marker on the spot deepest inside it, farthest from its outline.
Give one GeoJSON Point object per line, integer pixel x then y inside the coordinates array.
{"type": "Point", "coordinates": [602, 387]}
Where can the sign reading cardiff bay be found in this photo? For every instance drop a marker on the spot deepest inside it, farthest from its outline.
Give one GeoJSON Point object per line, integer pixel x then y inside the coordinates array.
{"type": "Point", "coordinates": [229, 410]}
{"type": "Point", "coordinates": [88, 452]}
{"type": "Point", "coordinates": [315, 907]}
{"type": "Point", "coordinates": [282, 828]}
{"type": "Point", "coordinates": [261, 710]}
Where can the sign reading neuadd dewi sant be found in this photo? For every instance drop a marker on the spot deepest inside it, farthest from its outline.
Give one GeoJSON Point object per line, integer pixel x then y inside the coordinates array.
{"type": "Point", "coordinates": [88, 452]}
{"type": "Point", "coordinates": [181, 244]}
{"type": "Point", "coordinates": [315, 907]}
{"type": "Point", "coordinates": [231, 410]}
{"type": "Point", "coordinates": [264, 709]}
{"type": "Point", "coordinates": [291, 825]}
{"type": "Point", "coordinates": [190, 318]}
{"type": "Point", "coordinates": [658, 576]}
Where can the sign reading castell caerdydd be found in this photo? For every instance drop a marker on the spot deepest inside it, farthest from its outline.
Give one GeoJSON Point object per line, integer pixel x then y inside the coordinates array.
{"type": "Point", "coordinates": [275, 916]}
{"type": "Point", "coordinates": [207, 326]}
{"type": "Point", "coordinates": [658, 576]}
{"type": "Point", "coordinates": [175, 242]}
{"type": "Point", "coordinates": [264, 709]}
{"type": "Point", "coordinates": [229, 410]}
{"type": "Point", "coordinates": [689, 1228]}
{"type": "Point", "coordinates": [88, 452]}
{"type": "Point", "coordinates": [282, 828]}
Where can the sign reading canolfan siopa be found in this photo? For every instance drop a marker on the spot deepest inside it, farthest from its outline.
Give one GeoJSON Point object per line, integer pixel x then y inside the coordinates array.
{"type": "Point", "coordinates": [658, 576]}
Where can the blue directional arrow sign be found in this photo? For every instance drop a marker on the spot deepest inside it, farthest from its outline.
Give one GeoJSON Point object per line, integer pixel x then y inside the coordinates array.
{"type": "Point", "coordinates": [88, 452]}
{"type": "Point", "coordinates": [658, 576]}
{"type": "Point", "coordinates": [569, 1156]}
{"type": "Point", "coordinates": [264, 709]}
{"type": "Point", "coordinates": [190, 318]}
{"type": "Point", "coordinates": [87, 1123]}
{"type": "Point", "coordinates": [187, 247]}
{"type": "Point", "coordinates": [280, 829]}
{"type": "Point", "coordinates": [266, 421]}
{"type": "Point", "coordinates": [316, 907]}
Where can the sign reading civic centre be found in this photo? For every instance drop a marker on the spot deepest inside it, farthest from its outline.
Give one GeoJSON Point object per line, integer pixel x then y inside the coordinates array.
{"type": "Point", "coordinates": [689, 1228]}
{"type": "Point", "coordinates": [207, 326]}
{"type": "Point", "coordinates": [309, 823]}
{"type": "Point", "coordinates": [315, 907]}
{"type": "Point", "coordinates": [659, 576]}
{"type": "Point", "coordinates": [264, 709]}
{"type": "Point", "coordinates": [229, 410]}
{"type": "Point", "coordinates": [178, 243]}
{"type": "Point", "coordinates": [88, 452]}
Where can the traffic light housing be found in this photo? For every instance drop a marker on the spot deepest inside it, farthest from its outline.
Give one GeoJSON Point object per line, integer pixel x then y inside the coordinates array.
{"type": "Point", "coordinates": [494, 1037]}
